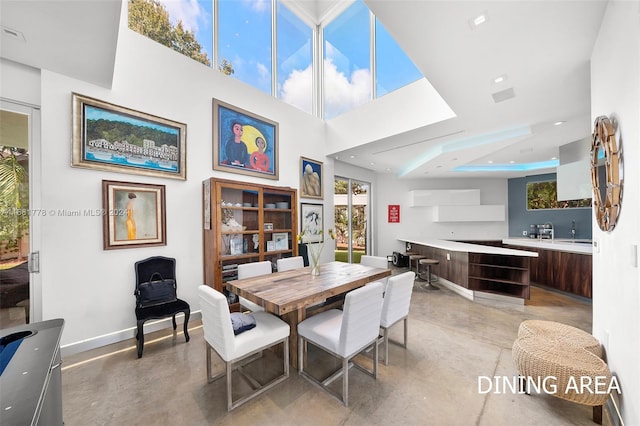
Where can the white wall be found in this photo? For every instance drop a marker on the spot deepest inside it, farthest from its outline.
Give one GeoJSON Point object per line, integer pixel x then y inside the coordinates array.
{"type": "Point", "coordinates": [615, 91]}
{"type": "Point", "coordinates": [92, 288]}
{"type": "Point", "coordinates": [28, 89]}
{"type": "Point", "coordinates": [419, 102]}
{"type": "Point", "coordinates": [416, 222]}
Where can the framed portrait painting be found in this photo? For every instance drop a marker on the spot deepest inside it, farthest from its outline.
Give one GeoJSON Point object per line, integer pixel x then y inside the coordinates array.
{"type": "Point", "coordinates": [310, 178]}
{"type": "Point", "coordinates": [312, 223]}
{"type": "Point", "coordinates": [243, 142]}
{"type": "Point", "coordinates": [133, 215]}
{"type": "Point", "coordinates": [113, 138]}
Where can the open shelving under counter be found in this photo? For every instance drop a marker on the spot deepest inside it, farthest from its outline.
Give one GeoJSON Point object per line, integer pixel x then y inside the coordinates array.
{"type": "Point", "coordinates": [479, 271]}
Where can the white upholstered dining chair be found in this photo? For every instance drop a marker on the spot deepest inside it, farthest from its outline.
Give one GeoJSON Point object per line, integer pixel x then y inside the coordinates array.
{"type": "Point", "coordinates": [395, 308]}
{"type": "Point", "coordinates": [376, 262]}
{"type": "Point", "coordinates": [344, 334]}
{"type": "Point", "coordinates": [219, 336]}
{"type": "Point", "coordinates": [248, 270]}
{"type": "Point", "coordinates": [288, 263]}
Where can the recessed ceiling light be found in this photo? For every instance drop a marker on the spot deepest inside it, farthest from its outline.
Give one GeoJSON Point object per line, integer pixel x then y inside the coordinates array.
{"type": "Point", "coordinates": [554, 158]}
{"type": "Point", "coordinates": [478, 20]}
{"type": "Point", "coordinates": [352, 156]}
{"type": "Point", "coordinates": [373, 164]}
{"type": "Point", "coordinates": [490, 161]}
{"type": "Point", "coordinates": [500, 79]}
{"type": "Point", "coordinates": [557, 123]}
{"type": "Point", "coordinates": [511, 162]}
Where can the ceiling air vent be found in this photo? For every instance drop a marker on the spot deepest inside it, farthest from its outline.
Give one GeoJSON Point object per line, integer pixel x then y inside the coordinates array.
{"type": "Point", "coordinates": [14, 34]}
{"type": "Point", "coordinates": [503, 95]}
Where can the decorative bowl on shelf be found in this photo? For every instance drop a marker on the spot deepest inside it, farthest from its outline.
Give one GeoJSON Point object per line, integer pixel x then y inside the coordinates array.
{"type": "Point", "coordinates": [269, 206]}
{"type": "Point", "coordinates": [283, 205]}
{"type": "Point", "coordinates": [246, 204]}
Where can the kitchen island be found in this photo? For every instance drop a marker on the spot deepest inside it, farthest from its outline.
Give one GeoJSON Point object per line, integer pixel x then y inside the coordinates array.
{"type": "Point", "coordinates": [562, 264]}
{"type": "Point", "coordinates": [478, 271]}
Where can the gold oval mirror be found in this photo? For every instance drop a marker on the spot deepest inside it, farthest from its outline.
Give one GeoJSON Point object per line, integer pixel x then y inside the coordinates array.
{"type": "Point", "coordinates": [607, 192]}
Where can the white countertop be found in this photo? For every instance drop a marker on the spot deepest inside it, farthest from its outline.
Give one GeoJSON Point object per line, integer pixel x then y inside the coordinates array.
{"type": "Point", "coordinates": [570, 246]}
{"type": "Point", "coordinates": [469, 248]}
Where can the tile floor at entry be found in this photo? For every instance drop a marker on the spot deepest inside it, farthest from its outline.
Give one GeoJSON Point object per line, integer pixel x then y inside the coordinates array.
{"type": "Point", "coordinates": [452, 341]}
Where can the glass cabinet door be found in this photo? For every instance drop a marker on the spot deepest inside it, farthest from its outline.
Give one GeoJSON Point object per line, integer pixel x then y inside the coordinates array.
{"type": "Point", "coordinates": [279, 236]}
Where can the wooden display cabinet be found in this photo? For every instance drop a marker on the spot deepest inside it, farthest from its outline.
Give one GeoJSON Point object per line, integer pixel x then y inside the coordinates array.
{"type": "Point", "coordinates": [245, 222]}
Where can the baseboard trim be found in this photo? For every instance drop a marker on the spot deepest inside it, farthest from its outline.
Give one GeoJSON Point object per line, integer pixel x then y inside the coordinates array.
{"type": "Point", "coordinates": [122, 335]}
{"type": "Point", "coordinates": [466, 293]}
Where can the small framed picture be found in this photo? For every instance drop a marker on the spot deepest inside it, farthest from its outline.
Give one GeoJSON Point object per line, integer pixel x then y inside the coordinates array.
{"type": "Point", "coordinates": [268, 226]}
{"type": "Point", "coordinates": [310, 178]}
{"type": "Point", "coordinates": [271, 246]}
{"type": "Point", "coordinates": [133, 215]}
{"type": "Point", "coordinates": [282, 240]}
{"type": "Point", "coordinates": [311, 222]}
{"type": "Point", "coordinates": [236, 245]}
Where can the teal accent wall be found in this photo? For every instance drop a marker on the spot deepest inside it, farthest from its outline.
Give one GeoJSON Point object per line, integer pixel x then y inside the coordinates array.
{"type": "Point", "coordinates": [520, 218]}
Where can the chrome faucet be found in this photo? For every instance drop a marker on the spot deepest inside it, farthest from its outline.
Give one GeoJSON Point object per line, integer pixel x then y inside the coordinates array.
{"type": "Point", "coordinates": [549, 226]}
{"type": "Point", "coordinates": [573, 230]}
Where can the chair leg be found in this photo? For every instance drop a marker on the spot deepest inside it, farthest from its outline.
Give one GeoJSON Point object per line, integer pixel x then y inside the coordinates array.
{"type": "Point", "coordinates": [375, 359]}
{"type": "Point", "coordinates": [345, 381]}
{"type": "Point", "coordinates": [140, 335]}
{"type": "Point", "coordinates": [385, 333]}
{"type": "Point", "coordinates": [186, 324]}
{"type": "Point", "coordinates": [229, 394]}
{"type": "Point", "coordinates": [406, 325]}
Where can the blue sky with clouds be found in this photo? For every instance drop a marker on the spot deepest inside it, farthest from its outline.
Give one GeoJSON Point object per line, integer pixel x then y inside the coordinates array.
{"type": "Point", "coordinates": [245, 28]}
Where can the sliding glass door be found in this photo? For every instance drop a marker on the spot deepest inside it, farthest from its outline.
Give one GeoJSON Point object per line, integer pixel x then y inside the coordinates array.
{"type": "Point", "coordinates": [351, 217]}
{"type": "Point", "coordinates": [16, 300]}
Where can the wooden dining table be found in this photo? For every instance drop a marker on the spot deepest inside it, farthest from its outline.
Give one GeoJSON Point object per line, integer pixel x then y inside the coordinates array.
{"type": "Point", "coordinates": [289, 294]}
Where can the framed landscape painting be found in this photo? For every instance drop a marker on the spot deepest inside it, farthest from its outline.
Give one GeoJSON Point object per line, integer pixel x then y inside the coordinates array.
{"type": "Point", "coordinates": [133, 215]}
{"type": "Point", "coordinates": [113, 138]}
{"type": "Point", "coordinates": [243, 142]}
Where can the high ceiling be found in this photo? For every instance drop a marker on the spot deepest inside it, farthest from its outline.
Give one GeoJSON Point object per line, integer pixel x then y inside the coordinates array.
{"type": "Point", "coordinates": [543, 48]}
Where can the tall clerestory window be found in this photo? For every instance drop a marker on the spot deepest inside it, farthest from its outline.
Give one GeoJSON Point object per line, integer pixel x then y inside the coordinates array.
{"type": "Point", "coordinates": [393, 68]}
{"type": "Point", "coordinates": [244, 39]}
{"type": "Point", "coordinates": [347, 61]}
{"type": "Point", "coordinates": [294, 60]}
{"type": "Point", "coordinates": [282, 66]}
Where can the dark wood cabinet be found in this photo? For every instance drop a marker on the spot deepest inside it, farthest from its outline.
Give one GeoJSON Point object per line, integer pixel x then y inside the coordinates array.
{"type": "Point", "coordinates": [561, 270]}
{"type": "Point", "coordinates": [244, 222]}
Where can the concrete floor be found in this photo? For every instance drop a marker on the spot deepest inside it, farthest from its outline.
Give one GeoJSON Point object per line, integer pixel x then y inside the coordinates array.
{"type": "Point", "coordinates": [452, 341]}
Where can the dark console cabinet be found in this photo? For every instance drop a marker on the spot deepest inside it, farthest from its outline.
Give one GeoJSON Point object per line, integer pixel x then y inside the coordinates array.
{"type": "Point", "coordinates": [31, 382]}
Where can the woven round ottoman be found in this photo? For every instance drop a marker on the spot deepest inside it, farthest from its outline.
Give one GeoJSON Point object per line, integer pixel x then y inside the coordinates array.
{"type": "Point", "coordinates": [562, 333]}
{"type": "Point", "coordinates": [561, 359]}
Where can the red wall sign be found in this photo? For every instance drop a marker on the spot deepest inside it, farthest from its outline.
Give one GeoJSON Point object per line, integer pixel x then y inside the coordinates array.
{"type": "Point", "coordinates": [394, 213]}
